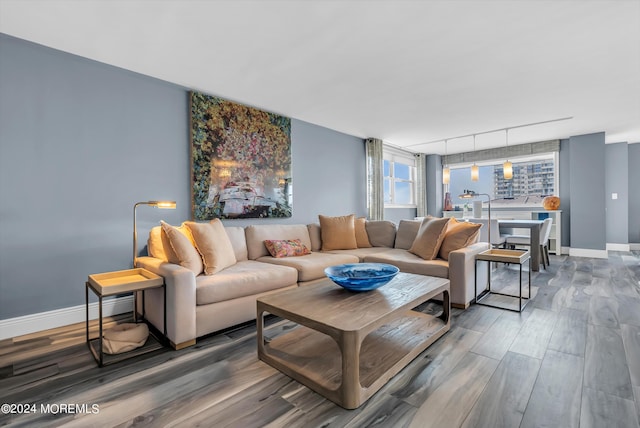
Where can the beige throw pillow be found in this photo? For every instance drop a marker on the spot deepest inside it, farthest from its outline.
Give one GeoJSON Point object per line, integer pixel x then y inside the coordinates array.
{"type": "Point", "coordinates": [429, 237]}
{"type": "Point", "coordinates": [458, 235]}
{"type": "Point", "coordinates": [338, 233]}
{"type": "Point", "coordinates": [155, 247]}
{"type": "Point", "coordinates": [382, 233]}
{"type": "Point", "coordinates": [182, 252]}
{"type": "Point", "coordinates": [214, 244]}
{"type": "Point", "coordinates": [407, 232]}
{"type": "Point", "coordinates": [362, 238]}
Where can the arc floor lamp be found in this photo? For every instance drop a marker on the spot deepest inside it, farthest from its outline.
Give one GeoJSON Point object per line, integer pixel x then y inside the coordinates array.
{"type": "Point", "coordinates": [170, 205]}
{"type": "Point", "coordinates": [470, 194]}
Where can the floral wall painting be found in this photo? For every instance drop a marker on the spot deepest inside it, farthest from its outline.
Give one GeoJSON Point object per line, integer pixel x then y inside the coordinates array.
{"type": "Point", "coordinates": [241, 160]}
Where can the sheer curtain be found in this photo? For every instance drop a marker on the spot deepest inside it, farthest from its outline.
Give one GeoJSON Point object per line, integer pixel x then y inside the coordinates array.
{"type": "Point", "coordinates": [375, 192]}
{"type": "Point", "coordinates": [421, 184]}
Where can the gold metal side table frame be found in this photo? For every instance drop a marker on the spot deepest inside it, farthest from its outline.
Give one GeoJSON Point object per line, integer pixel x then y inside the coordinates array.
{"type": "Point", "coordinates": [502, 256]}
{"type": "Point", "coordinates": [116, 283]}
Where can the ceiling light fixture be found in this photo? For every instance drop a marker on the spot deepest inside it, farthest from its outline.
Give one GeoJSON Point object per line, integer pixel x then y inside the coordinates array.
{"type": "Point", "coordinates": [475, 172]}
{"type": "Point", "coordinates": [490, 131]}
{"type": "Point", "coordinates": [446, 172]}
{"type": "Point", "coordinates": [507, 167]}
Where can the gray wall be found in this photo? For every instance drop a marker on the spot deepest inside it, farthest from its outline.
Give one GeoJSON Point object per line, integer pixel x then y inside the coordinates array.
{"type": "Point", "coordinates": [435, 195]}
{"type": "Point", "coordinates": [617, 181]}
{"type": "Point", "coordinates": [634, 193]}
{"type": "Point", "coordinates": [565, 191]}
{"type": "Point", "coordinates": [587, 187]}
{"type": "Point", "coordinates": [81, 142]}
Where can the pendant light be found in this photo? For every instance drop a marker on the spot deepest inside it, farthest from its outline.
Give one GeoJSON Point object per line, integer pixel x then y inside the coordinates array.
{"type": "Point", "coordinates": [446, 173]}
{"type": "Point", "coordinates": [507, 166]}
{"type": "Point", "coordinates": [475, 172]}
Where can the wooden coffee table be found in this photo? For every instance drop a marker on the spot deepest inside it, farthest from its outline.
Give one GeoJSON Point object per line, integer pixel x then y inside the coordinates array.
{"type": "Point", "coordinates": [348, 345]}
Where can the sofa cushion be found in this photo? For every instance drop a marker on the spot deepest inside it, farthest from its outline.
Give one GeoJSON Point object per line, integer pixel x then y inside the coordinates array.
{"type": "Point", "coordinates": [410, 263]}
{"type": "Point", "coordinates": [459, 234]}
{"type": "Point", "coordinates": [314, 234]}
{"type": "Point", "coordinates": [362, 238]}
{"type": "Point", "coordinates": [338, 233]}
{"type": "Point", "coordinates": [238, 241]}
{"type": "Point", "coordinates": [214, 244]}
{"type": "Point", "coordinates": [406, 234]}
{"type": "Point", "coordinates": [312, 265]}
{"type": "Point", "coordinates": [244, 278]}
{"type": "Point", "coordinates": [286, 248]}
{"type": "Point", "coordinates": [179, 247]}
{"type": "Point", "coordinates": [258, 233]}
{"type": "Point", "coordinates": [154, 244]}
{"type": "Point", "coordinates": [382, 233]}
{"type": "Point", "coordinates": [360, 253]}
{"type": "Point", "coordinates": [429, 237]}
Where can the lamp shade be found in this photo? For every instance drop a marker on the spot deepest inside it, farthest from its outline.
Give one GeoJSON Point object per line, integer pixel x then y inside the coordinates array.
{"type": "Point", "coordinates": [475, 173]}
{"type": "Point", "coordinates": [446, 175]}
{"type": "Point", "coordinates": [507, 168]}
{"type": "Point", "coordinates": [446, 172]}
{"type": "Point", "coordinates": [167, 205]}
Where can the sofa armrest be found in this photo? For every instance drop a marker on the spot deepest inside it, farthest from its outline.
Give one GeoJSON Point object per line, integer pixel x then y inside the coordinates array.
{"type": "Point", "coordinates": [180, 284]}
{"type": "Point", "coordinates": [461, 273]}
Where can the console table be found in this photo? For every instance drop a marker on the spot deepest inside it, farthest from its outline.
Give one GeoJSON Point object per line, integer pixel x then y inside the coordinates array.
{"type": "Point", "coordinates": [534, 226]}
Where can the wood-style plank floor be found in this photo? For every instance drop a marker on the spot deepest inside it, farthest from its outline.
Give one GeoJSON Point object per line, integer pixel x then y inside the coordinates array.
{"type": "Point", "coordinates": [571, 359]}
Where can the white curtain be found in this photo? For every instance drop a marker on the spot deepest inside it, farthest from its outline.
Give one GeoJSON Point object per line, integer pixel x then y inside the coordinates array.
{"type": "Point", "coordinates": [375, 192]}
{"type": "Point", "coordinates": [421, 184]}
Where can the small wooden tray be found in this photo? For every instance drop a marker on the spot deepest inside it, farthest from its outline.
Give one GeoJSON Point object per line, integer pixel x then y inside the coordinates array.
{"type": "Point", "coordinates": [123, 281]}
{"type": "Point", "coordinates": [504, 256]}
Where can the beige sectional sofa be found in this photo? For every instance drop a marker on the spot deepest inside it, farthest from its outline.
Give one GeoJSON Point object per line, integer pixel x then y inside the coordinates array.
{"type": "Point", "coordinates": [201, 304]}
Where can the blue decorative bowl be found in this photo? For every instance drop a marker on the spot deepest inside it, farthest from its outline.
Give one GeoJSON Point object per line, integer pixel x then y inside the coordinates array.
{"type": "Point", "coordinates": [361, 276]}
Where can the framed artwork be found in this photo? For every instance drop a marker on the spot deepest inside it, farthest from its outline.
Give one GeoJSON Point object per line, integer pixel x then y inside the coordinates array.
{"type": "Point", "coordinates": [240, 160]}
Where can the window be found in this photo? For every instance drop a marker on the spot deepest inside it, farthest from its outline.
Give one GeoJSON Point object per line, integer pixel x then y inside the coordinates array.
{"type": "Point", "coordinates": [533, 178]}
{"type": "Point", "coordinates": [399, 173]}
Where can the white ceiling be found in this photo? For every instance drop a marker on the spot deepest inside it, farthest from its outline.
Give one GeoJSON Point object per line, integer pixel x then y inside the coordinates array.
{"type": "Point", "coordinates": [409, 72]}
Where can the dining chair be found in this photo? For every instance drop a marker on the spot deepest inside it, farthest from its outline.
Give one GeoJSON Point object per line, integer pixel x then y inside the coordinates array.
{"type": "Point", "coordinates": [496, 238]}
{"type": "Point", "coordinates": [545, 234]}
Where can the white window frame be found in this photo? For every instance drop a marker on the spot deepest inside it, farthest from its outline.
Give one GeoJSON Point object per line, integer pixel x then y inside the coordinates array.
{"type": "Point", "coordinates": [394, 155]}
{"type": "Point", "coordinates": [531, 158]}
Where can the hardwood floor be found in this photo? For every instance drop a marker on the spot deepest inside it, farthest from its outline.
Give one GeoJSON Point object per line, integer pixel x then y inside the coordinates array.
{"type": "Point", "coordinates": [572, 358]}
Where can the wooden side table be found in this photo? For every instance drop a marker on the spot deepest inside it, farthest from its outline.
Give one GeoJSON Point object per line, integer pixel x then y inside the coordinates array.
{"type": "Point", "coordinates": [115, 283]}
{"type": "Point", "coordinates": [502, 256]}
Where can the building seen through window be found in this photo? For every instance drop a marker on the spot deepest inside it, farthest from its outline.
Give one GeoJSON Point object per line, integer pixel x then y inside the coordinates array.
{"type": "Point", "coordinates": [533, 179]}
{"type": "Point", "coordinates": [529, 178]}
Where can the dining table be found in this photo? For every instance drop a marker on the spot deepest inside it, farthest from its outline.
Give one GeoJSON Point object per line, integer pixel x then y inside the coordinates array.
{"type": "Point", "coordinates": [534, 226]}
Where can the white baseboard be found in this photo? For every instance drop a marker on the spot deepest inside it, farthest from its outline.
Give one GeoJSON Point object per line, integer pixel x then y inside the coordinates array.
{"type": "Point", "coordinates": [634, 247]}
{"type": "Point", "coordinates": [564, 250]}
{"type": "Point", "coordinates": [618, 247]}
{"type": "Point", "coordinates": [587, 252]}
{"type": "Point", "coordinates": [27, 324]}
